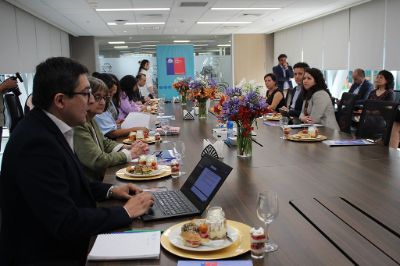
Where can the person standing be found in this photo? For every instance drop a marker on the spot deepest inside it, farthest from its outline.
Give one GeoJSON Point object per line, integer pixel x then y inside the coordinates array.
{"type": "Point", "coordinates": [283, 72]}
{"type": "Point", "coordinates": [48, 206]}
{"type": "Point", "coordinates": [4, 86]}
{"type": "Point", "coordinates": [148, 89]}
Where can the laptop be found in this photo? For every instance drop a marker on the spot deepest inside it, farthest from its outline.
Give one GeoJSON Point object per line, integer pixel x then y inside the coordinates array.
{"type": "Point", "coordinates": [195, 194]}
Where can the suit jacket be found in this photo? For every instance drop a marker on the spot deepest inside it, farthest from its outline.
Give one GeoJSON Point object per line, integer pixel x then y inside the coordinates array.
{"type": "Point", "coordinates": [95, 152]}
{"type": "Point", "coordinates": [320, 108]}
{"type": "Point", "coordinates": [48, 206]}
{"type": "Point", "coordinates": [363, 92]}
{"type": "Point", "coordinates": [278, 71]}
{"type": "Point", "coordinates": [298, 105]}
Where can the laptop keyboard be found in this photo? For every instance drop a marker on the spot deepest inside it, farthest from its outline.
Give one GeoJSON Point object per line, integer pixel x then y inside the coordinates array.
{"type": "Point", "coordinates": [171, 203]}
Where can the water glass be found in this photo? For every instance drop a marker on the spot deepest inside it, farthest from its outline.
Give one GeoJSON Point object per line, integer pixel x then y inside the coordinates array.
{"type": "Point", "coordinates": [267, 211]}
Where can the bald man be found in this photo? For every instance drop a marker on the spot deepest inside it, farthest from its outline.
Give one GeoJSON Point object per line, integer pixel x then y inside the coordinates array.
{"type": "Point", "coordinates": [360, 87]}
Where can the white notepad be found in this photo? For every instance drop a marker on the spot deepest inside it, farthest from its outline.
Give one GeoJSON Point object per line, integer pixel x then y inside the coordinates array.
{"type": "Point", "coordinates": [125, 246]}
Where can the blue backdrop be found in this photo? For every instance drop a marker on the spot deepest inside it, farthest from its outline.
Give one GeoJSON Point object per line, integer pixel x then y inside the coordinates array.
{"type": "Point", "coordinates": [167, 57]}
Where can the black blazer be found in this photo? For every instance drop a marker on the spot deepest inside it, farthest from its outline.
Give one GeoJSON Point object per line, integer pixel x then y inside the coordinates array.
{"type": "Point", "coordinates": [278, 71]}
{"type": "Point", "coordinates": [298, 105]}
{"type": "Point", "coordinates": [363, 92]}
{"type": "Point", "coordinates": [48, 206]}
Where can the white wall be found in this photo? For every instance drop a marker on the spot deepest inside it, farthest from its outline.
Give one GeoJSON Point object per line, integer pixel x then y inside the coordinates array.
{"type": "Point", "coordinates": [25, 40]}
{"type": "Point", "coordinates": [365, 36]}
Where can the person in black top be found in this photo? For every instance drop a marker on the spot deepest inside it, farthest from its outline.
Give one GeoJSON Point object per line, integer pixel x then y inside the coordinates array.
{"type": "Point", "coordinates": [275, 99]}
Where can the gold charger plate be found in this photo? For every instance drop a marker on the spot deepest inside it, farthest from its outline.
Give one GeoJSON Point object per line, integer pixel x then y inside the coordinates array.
{"type": "Point", "coordinates": [121, 174]}
{"type": "Point", "coordinates": [317, 139]}
{"type": "Point", "coordinates": [149, 140]}
{"type": "Point", "coordinates": [240, 246]}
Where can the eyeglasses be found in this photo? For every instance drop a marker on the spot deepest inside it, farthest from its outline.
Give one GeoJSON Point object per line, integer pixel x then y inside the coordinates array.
{"type": "Point", "coordinates": [87, 94]}
{"type": "Point", "coordinates": [98, 98]}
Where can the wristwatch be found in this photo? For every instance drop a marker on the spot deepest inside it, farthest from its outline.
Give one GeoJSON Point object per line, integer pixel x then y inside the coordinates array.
{"type": "Point", "coordinates": [110, 192]}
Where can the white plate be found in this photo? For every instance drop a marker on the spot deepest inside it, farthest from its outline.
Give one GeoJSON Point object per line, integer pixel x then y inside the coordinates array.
{"type": "Point", "coordinates": [176, 240]}
{"type": "Point", "coordinates": [161, 169]}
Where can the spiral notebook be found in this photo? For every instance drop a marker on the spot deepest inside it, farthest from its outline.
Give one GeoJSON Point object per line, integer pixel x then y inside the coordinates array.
{"type": "Point", "coordinates": [126, 246]}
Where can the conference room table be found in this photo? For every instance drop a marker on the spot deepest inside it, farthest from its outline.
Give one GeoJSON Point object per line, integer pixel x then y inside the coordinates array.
{"type": "Point", "coordinates": [337, 205]}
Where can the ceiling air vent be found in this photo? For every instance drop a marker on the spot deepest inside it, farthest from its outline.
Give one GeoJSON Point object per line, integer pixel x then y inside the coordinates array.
{"type": "Point", "coordinates": [152, 15]}
{"type": "Point", "coordinates": [193, 4]}
{"type": "Point", "coordinates": [251, 15]}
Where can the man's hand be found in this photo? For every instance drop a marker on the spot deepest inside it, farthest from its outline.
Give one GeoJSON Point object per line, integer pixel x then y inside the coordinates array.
{"type": "Point", "coordinates": [139, 204]}
{"type": "Point", "coordinates": [138, 148]}
{"type": "Point", "coordinates": [125, 191]}
{"type": "Point", "coordinates": [8, 84]}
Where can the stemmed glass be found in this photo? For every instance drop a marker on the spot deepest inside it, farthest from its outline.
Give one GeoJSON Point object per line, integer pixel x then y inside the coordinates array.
{"type": "Point", "coordinates": [179, 153]}
{"type": "Point", "coordinates": [164, 123]}
{"type": "Point", "coordinates": [267, 211]}
{"type": "Point", "coordinates": [161, 106]}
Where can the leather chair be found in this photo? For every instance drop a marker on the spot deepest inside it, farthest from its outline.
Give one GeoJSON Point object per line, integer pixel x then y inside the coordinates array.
{"type": "Point", "coordinates": [345, 111]}
{"type": "Point", "coordinates": [14, 112]}
{"type": "Point", "coordinates": [376, 120]}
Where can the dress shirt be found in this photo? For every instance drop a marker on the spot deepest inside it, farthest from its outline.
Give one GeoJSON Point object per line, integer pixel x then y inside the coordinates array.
{"type": "Point", "coordinates": [286, 83]}
{"type": "Point", "coordinates": [295, 96]}
{"type": "Point", "coordinates": [355, 92]}
{"type": "Point", "coordinates": [66, 130]}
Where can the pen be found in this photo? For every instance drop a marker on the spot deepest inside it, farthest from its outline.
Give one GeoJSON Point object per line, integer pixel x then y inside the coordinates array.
{"type": "Point", "coordinates": [255, 141]}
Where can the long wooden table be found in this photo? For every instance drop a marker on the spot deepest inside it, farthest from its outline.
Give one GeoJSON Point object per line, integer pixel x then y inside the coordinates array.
{"type": "Point", "coordinates": [338, 205]}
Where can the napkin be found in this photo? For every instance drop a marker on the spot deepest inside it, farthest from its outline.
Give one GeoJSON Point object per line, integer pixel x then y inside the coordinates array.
{"type": "Point", "coordinates": [176, 99]}
{"type": "Point", "coordinates": [213, 149]}
{"type": "Point", "coordinates": [188, 115]}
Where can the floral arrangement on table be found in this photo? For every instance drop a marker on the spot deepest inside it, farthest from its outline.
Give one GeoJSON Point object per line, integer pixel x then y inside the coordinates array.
{"type": "Point", "coordinates": [248, 86]}
{"type": "Point", "coordinates": [201, 90]}
{"type": "Point", "coordinates": [182, 86]}
{"type": "Point", "coordinates": [243, 108]}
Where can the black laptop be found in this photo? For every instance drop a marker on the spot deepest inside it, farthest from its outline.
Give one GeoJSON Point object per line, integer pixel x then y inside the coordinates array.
{"type": "Point", "coordinates": [194, 196]}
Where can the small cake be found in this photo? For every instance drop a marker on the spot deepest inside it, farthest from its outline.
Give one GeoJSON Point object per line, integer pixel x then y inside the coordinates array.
{"type": "Point", "coordinates": [143, 159]}
{"type": "Point", "coordinates": [152, 162]}
{"type": "Point", "coordinates": [257, 241]}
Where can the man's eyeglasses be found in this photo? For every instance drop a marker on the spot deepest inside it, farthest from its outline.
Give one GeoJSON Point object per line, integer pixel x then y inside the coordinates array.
{"type": "Point", "coordinates": [98, 98]}
{"type": "Point", "coordinates": [87, 93]}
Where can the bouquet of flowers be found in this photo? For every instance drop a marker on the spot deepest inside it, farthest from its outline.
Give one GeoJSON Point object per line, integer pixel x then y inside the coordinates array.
{"type": "Point", "coordinates": [202, 89]}
{"type": "Point", "coordinates": [243, 108]}
{"type": "Point", "coordinates": [181, 85]}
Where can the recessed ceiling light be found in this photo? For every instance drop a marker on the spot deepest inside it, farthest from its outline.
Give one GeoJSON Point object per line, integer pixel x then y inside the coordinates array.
{"type": "Point", "coordinates": [111, 24]}
{"type": "Point", "coordinates": [197, 45]}
{"type": "Point", "coordinates": [125, 31]}
{"type": "Point", "coordinates": [244, 8]}
{"type": "Point", "coordinates": [121, 47]}
{"type": "Point", "coordinates": [133, 9]}
{"type": "Point", "coordinates": [150, 41]}
{"type": "Point", "coordinates": [144, 23]}
{"type": "Point", "coordinates": [120, 42]}
{"type": "Point", "coordinates": [148, 45]}
{"type": "Point", "coordinates": [223, 22]}
{"type": "Point", "coordinates": [224, 45]}
{"type": "Point", "coordinates": [181, 41]}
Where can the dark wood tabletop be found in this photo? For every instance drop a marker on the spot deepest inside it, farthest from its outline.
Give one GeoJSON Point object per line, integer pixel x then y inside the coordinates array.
{"type": "Point", "coordinates": [337, 205]}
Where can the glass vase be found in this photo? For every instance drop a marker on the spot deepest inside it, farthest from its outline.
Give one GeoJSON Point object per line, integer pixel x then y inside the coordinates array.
{"type": "Point", "coordinates": [244, 143]}
{"type": "Point", "coordinates": [184, 98]}
{"type": "Point", "coordinates": [202, 109]}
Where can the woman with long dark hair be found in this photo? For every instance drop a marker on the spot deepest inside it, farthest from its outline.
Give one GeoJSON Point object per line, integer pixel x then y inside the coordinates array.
{"type": "Point", "coordinates": [127, 98]}
{"type": "Point", "coordinates": [275, 99]}
{"type": "Point", "coordinates": [317, 105]}
{"type": "Point", "coordinates": [148, 89]}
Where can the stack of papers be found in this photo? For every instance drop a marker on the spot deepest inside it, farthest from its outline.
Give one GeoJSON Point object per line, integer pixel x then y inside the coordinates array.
{"type": "Point", "coordinates": [348, 142]}
{"type": "Point", "coordinates": [125, 246]}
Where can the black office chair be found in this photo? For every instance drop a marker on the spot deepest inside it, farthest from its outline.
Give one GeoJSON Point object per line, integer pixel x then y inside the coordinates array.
{"type": "Point", "coordinates": [397, 96]}
{"type": "Point", "coordinates": [376, 120]}
{"type": "Point", "coordinates": [345, 111]}
{"type": "Point", "coordinates": [14, 112]}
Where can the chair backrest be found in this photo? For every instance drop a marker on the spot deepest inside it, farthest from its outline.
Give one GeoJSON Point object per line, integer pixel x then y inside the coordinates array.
{"type": "Point", "coordinates": [345, 111]}
{"type": "Point", "coordinates": [14, 110]}
{"type": "Point", "coordinates": [397, 96]}
{"type": "Point", "coordinates": [377, 119]}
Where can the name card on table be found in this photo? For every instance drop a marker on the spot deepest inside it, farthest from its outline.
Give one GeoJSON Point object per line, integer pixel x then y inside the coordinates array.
{"type": "Point", "coordinates": [188, 115]}
{"type": "Point", "coordinates": [213, 149]}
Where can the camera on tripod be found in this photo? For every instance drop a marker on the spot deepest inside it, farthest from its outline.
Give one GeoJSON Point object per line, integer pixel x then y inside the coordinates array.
{"type": "Point", "coordinates": [15, 90]}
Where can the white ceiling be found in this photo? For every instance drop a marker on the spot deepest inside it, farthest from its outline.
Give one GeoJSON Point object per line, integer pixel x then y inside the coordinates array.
{"type": "Point", "coordinates": [79, 18]}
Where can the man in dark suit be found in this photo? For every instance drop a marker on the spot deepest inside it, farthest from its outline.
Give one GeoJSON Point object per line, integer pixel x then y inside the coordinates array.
{"type": "Point", "coordinates": [48, 206]}
{"type": "Point", "coordinates": [294, 97]}
{"type": "Point", "coordinates": [361, 87]}
{"type": "Point", "coordinates": [283, 73]}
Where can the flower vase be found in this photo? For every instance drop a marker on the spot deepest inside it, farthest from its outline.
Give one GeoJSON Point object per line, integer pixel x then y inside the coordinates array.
{"type": "Point", "coordinates": [184, 98]}
{"type": "Point", "coordinates": [202, 109]}
{"type": "Point", "coordinates": [244, 143]}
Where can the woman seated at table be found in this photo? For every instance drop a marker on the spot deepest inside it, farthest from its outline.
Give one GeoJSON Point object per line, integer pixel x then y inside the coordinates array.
{"type": "Point", "coordinates": [384, 84]}
{"type": "Point", "coordinates": [95, 152]}
{"type": "Point", "coordinates": [317, 105]}
{"type": "Point", "coordinates": [127, 99]}
{"type": "Point", "coordinates": [275, 99]}
{"type": "Point", "coordinates": [114, 91]}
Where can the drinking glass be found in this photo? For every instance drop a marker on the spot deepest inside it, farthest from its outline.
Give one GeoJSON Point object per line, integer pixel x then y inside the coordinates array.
{"type": "Point", "coordinates": [179, 153]}
{"type": "Point", "coordinates": [267, 211]}
{"type": "Point", "coordinates": [161, 106]}
{"type": "Point", "coordinates": [284, 122]}
{"type": "Point", "coordinates": [164, 123]}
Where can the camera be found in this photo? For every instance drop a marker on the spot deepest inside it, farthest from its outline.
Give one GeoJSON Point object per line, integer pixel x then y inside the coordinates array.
{"type": "Point", "coordinates": [15, 90]}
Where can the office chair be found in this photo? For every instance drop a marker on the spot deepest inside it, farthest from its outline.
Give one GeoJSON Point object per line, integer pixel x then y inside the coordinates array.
{"type": "Point", "coordinates": [376, 120]}
{"type": "Point", "coordinates": [345, 111]}
{"type": "Point", "coordinates": [13, 109]}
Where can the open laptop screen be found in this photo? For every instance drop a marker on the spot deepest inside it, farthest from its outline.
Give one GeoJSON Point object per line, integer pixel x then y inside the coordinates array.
{"type": "Point", "coordinates": [205, 180]}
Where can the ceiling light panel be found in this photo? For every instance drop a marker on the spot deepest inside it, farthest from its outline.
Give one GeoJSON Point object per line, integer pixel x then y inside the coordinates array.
{"type": "Point", "coordinates": [119, 42]}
